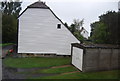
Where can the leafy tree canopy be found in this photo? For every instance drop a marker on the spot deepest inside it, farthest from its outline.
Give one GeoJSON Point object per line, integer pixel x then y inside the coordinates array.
{"type": "Point", "coordinates": [11, 8]}
{"type": "Point", "coordinates": [75, 28]}
{"type": "Point", "coordinates": [10, 12]}
{"type": "Point", "coordinates": [106, 29]}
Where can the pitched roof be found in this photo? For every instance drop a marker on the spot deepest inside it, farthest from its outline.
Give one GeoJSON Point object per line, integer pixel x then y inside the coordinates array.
{"type": "Point", "coordinates": [39, 4]}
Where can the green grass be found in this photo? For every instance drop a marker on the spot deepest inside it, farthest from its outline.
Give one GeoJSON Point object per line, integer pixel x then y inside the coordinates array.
{"type": "Point", "coordinates": [59, 70]}
{"type": "Point", "coordinates": [49, 62]}
{"type": "Point", "coordinates": [90, 75]}
{"type": "Point", "coordinates": [55, 70]}
{"type": "Point", "coordinates": [6, 44]}
{"type": "Point", "coordinates": [35, 62]}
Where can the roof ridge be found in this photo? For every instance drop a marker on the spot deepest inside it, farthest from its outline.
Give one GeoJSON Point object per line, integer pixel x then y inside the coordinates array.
{"type": "Point", "coordinates": [38, 4]}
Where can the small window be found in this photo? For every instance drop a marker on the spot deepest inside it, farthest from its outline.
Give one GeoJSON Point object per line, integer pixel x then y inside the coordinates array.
{"type": "Point", "coordinates": [58, 26]}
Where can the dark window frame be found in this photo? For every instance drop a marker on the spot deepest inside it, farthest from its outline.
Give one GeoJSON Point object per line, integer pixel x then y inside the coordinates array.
{"type": "Point", "coordinates": [58, 26]}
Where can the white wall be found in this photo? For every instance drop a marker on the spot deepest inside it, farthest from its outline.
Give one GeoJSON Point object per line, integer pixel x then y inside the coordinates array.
{"type": "Point", "coordinates": [77, 58]}
{"type": "Point", "coordinates": [38, 33]}
{"type": "Point", "coordinates": [84, 33]}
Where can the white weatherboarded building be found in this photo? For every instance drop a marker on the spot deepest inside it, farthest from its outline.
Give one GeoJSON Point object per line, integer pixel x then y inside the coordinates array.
{"type": "Point", "coordinates": [84, 32]}
{"type": "Point", "coordinates": [40, 31]}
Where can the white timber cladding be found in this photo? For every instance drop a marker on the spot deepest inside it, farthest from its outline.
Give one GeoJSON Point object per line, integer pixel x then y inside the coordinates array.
{"type": "Point", "coordinates": [84, 33]}
{"type": "Point", "coordinates": [38, 33]}
{"type": "Point", "coordinates": [77, 58]}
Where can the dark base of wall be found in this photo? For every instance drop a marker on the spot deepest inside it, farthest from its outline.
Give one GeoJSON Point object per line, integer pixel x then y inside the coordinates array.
{"type": "Point", "coordinates": [41, 55]}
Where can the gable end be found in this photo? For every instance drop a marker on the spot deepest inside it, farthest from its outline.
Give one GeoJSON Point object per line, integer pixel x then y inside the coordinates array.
{"type": "Point", "coordinates": [43, 6]}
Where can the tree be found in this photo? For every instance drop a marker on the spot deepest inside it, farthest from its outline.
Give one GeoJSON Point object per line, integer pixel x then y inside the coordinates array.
{"type": "Point", "coordinates": [9, 29]}
{"type": "Point", "coordinates": [72, 28]}
{"type": "Point", "coordinates": [66, 25]}
{"type": "Point", "coordinates": [111, 21]}
{"type": "Point", "coordinates": [78, 23]}
{"type": "Point", "coordinates": [75, 29]}
{"type": "Point", "coordinates": [10, 12]}
{"type": "Point", "coordinates": [106, 30]}
{"type": "Point", "coordinates": [11, 8]}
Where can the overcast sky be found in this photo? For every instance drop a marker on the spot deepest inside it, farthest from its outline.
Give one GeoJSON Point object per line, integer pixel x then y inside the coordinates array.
{"type": "Point", "coordinates": [67, 10]}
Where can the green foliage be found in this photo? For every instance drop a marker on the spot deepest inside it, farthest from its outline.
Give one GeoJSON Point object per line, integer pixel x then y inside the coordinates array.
{"type": "Point", "coordinates": [66, 25]}
{"type": "Point", "coordinates": [9, 29]}
{"type": "Point", "coordinates": [75, 29]}
{"type": "Point", "coordinates": [72, 28]}
{"type": "Point", "coordinates": [6, 44]}
{"type": "Point", "coordinates": [35, 62]}
{"type": "Point", "coordinates": [79, 36]}
{"type": "Point", "coordinates": [10, 12]}
{"type": "Point", "coordinates": [100, 33]}
{"type": "Point", "coordinates": [105, 31]}
{"type": "Point", "coordinates": [11, 8]}
{"type": "Point", "coordinates": [111, 21]}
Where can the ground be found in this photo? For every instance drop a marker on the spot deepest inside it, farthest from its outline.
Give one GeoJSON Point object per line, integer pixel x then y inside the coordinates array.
{"type": "Point", "coordinates": [48, 68]}
{"type": "Point", "coordinates": [56, 71]}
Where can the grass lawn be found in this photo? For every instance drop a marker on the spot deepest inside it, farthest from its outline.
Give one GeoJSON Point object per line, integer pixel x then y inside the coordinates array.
{"type": "Point", "coordinates": [5, 44]}
{"type": "Point", "coordinates": [53, 61]}
{"type": "Point", "coordinates": [55, 70]}
{"type": "Point", "coordinates": [35, 62]}
{"type": "Point", "coordinates": [90, 75]}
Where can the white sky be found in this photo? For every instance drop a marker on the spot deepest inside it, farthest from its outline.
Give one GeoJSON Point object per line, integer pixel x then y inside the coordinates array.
{"type": "Point", "coordinates": [67, 10]}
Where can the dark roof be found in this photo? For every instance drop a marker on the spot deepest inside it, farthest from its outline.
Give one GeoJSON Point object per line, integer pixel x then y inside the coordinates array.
{"type": "Point", "coordinates": [39, 4]}
{"type": "Point", "coordinates": [107, 46]}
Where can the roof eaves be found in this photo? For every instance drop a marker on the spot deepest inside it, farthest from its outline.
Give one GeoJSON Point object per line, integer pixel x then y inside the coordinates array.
{"type": "Point", "coordinates": [22, 12]}
{"type": "Point", "coordinates": [32, 7]}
